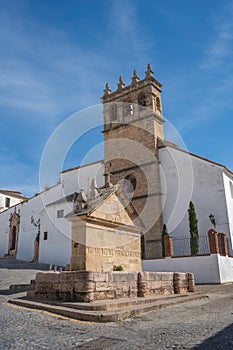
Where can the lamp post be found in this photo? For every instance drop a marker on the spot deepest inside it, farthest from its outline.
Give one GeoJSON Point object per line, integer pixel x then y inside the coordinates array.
{"type": "Point", "coordinates": [36, 224]}
{"type": "Point", "coordinates": [212, 220]}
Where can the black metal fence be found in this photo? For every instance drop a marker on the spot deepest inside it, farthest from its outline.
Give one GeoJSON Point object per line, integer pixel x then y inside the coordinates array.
{"type": "Point", "coordinates": [182, 246]}
{"type": "Point", "coordinates": [154, 249]}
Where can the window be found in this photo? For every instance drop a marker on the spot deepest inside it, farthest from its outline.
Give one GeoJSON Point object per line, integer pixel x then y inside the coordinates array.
{"type": "Point", "coordinates": [7, 202]}
{"type": "Point", "coordinates": [60, 214]}
{"type": "Point", "coordinates": [158, 104]}
{"type": "Point", "coordinates": [45, 236]}
{"type": "Point", "coordinates": [113, 112]}
{"type": "Point", "coordinates": [130, 183]}
{"type": "Point", "coordinates": [128, 107]}
{"type": "Point", "coordinates": [142, 100]}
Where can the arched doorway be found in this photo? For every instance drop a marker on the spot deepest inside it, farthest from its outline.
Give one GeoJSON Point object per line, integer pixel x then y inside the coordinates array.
{"type": "Point", "coordinates": [13, 233]}
{"type": "Point", "coordinates": [13, 238]}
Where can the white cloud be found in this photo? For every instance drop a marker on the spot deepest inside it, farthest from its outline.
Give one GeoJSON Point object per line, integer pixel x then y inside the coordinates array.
{"type": "Point", "coordinates": [128, 35]}
{"type": "Point", "coordinates": [16, 174]}
{"type": "Point", "coordinates": [42, 71]}
{"type": "Point", "coordinates": [209, 83]}
{"type": "Point", "coordinates": [219, 50]}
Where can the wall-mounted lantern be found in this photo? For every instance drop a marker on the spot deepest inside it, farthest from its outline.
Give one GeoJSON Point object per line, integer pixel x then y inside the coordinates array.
{"type": "Point", "coordinates": [212, 220]}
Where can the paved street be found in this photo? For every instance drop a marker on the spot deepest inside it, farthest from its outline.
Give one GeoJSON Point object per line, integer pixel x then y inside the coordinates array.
{"type": "Point", "coordinates": [206, 324]}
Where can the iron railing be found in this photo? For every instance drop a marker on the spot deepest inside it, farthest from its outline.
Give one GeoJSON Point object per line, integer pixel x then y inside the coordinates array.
{"type": "Point", "coordinates": [154, 249]}
{"type": "Point", "coordinates": [182, 246]}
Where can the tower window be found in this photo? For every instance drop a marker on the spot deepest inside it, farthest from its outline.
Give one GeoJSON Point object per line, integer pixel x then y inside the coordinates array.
{"type": "Point", "coordinates": [158, 103]}
{"type": "Point", "coordinates": [128, 107]}
{"type": "Point", "coordinates": [7, 202]}
{"type": "Point", "coordinates": [45, 236]}
{"type": "Point", "coordinates": [142, 100]}
{"type": "Point", "coordinates": [130, 183]}
{"type": "Point", "coordinates": [113, 112]}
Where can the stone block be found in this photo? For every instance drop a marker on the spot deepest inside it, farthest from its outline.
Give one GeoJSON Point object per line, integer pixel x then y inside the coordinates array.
{"type": "Point", "coordinates": [102, 295]}
{"type": "Point", "coordinates": [180, 283]}
{"type": "Point", "coordinates": [129, 277]}
{"type": "Point", "coordinates": [84, 297]}
{"type": "Point", "coordinates": [53, 277]}
{"type": "Point", "coordinates": [101, 276]}
{"type": "Point", "coordinates": [190, 282]}
{"type": "Point", "coordinates": [85, 286]}
{"type": "Point", "coordinates": [101, 286]}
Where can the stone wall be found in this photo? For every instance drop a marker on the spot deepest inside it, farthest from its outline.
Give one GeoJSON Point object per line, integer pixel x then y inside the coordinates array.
{"type": "Point", "coordinates": [145, 169]}
{"type": "Point", "coordinates": [151, 283]}
{"type": "Point", "coordinates": [121, 248]}
{"type": "Point", "coordinates": [85, 286]}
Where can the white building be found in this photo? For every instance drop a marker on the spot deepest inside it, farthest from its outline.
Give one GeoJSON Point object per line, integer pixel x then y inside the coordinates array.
{"type": "Point", "coordinates": [209, 185]}
{"type": "Point", "coordinates": [44, 214]}
{"type": "Point", "coordinates": [186, 176]}
{"type": "Point", "coordinates": [180, 177]}
{"type": "Point", "coordinates": [9, 198]}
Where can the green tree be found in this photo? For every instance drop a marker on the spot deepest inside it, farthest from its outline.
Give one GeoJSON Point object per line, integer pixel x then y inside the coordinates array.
{"type": "Point", "coordinates": [193, 229]}
{"type": "Point", "coordinates": [164, 233]}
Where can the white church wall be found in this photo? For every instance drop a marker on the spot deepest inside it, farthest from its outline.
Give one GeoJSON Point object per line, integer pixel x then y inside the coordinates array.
{"type": "Point", "coordinates": [81, 177]}
{"type": "Point", "coordinates": [228, 184]}
{"type": "Point", "coordinates": [225, 268]}
{"type": "Point", "coordinates": [4, 230]}
{"type": "Point", "coordinates": [205, 268]}
{"type": "Point", "coordinates": [184, 178]}
{"type": "Point", "coordinates": [28, 231]}
{"type": "Point", "coordinates": [56, 249]}
{"type": "Point", "coordinates": [51, 194]}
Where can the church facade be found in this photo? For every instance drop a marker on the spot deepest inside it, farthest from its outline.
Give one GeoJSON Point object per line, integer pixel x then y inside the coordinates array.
{"type": "Point", "coordinates": [159, 178]}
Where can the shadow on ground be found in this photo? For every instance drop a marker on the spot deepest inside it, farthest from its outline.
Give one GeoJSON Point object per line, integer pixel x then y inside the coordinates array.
{"type": "Point", "coordinates": [13, 264]}
{"type": "Point", "coordinates": [12, 291]}
{"type": "Point", "coordinates": [220, 341]}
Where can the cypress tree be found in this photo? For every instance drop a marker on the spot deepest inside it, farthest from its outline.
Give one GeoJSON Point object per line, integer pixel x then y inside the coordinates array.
{"type": "Point", "coordinates": [164, 233]}
{"type": "Point", "coordinates": [193, 229]}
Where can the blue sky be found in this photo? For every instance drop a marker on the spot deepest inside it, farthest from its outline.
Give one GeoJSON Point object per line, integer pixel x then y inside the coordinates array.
{"type": "Point", "coordinates": [57, 55]}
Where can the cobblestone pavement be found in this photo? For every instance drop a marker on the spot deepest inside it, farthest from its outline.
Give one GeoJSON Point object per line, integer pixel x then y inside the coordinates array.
{"type": "Point", "coordinates": [206, 324]}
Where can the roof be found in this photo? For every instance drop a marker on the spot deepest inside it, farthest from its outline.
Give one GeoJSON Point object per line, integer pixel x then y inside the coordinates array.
{"type": "Point", "coordinates": [81, 166]}
{"type": "Point", "coordinates": [165, 144]}
{"type": "Point", "coordinates": [69, 198]}
{"type": "Point", "coordinates": [104, 193]}
{"type": "Point", "coordinates": [13, 193]}
{"type": "Point", "coordinates": [95, 203]}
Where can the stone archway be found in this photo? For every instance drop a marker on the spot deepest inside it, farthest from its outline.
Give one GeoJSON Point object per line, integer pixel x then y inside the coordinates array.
{"type": "Point", "coordinates": [13, 233]}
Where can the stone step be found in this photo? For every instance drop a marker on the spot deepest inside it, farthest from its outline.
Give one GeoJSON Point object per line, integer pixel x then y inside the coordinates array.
{"type": "Point", "coordinates": [24, 286]}
{"type": "Point", "coordinates": [104, 305]}
{"type": "Point", "coordinates": [107, 315]}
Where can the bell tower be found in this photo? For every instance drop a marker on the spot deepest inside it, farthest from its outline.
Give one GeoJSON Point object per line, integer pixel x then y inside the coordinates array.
{"type": "Point", "coordinates": [133, 123]}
